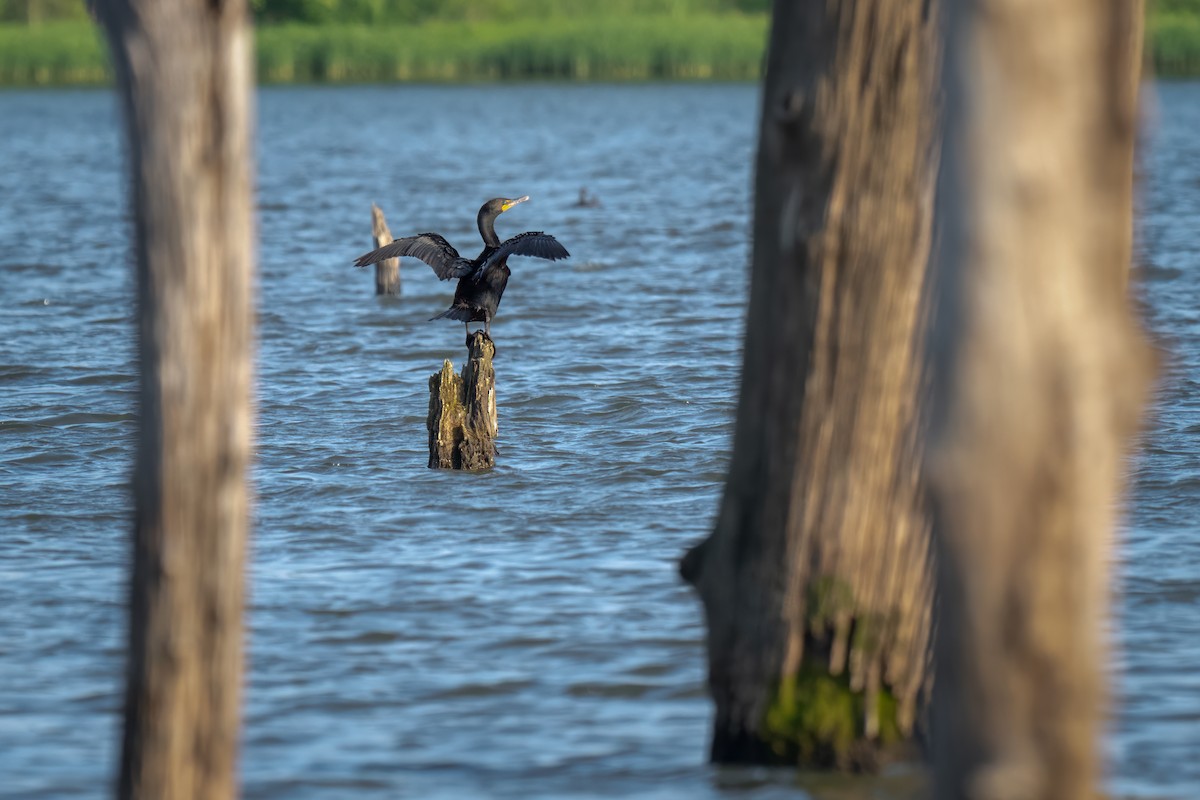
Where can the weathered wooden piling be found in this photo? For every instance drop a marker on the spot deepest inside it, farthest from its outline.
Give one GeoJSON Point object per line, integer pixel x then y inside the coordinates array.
{"type": "Point", "coordinates": [816, 579]}
{"type": "Point", "coordinates": [387, 272]}
{"type": "Point", "coordinates": [462, 410]}
{"type": "Point", "coordinates": [1039, 373]}
{"type": "Point", "coordinates": [184, 70]}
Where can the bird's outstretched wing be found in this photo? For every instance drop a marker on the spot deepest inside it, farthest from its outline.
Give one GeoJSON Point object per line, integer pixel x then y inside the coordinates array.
{"type": "Point", "coordinates": [530, 243]}
{"type": "Point", "coordinates": [429, 247]}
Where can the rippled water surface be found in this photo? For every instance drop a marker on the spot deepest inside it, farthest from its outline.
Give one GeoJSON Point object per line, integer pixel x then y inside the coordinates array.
{"type": "Point", "coordinates": [520, 633]}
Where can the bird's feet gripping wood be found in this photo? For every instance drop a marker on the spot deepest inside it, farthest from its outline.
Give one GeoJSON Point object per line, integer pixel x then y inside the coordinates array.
{"type": "Point", "coordinates": [486, 336]}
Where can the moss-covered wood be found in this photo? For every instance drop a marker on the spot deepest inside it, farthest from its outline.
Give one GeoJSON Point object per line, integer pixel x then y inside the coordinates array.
{"type": "Point", "coordinates": [462, 410]}
{"type": "Point", "coordinates": [387, 272]}
{"type": "Point", "coordinates": [819, 719]}
{"type": "Point", "coordinates": [817, 574]}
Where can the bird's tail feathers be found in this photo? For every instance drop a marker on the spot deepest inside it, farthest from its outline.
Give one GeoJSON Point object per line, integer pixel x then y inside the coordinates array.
{"type": "Point", "coordinates": [460, 313]}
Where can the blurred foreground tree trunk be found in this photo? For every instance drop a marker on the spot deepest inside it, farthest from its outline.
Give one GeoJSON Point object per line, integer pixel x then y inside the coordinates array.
{"type": "Point", "coordinates": [184, 72]}
{"type": "Point", "coordinates": [816, 580]}
{"type": "Point", "coordinates": [1040, 372]}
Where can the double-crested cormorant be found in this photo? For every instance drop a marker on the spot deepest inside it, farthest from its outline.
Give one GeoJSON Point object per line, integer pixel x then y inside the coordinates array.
{"type": "Point", "coordinates": [481, 282]}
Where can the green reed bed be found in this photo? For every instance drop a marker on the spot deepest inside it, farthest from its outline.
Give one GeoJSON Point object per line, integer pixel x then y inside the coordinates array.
{"type": "Point", "coordinates": [53, 54]}
{"type": "Point", "coordinates": [720, 47]}
{"type": "Point", "coordinates": [1173, 42]}
{"type": "Point", "coordinates": [639, 48]}
{"type": "Point", "coordinates": [711, 46]}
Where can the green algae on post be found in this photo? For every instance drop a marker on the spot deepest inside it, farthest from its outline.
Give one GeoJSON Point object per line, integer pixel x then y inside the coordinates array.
{"type": "Point", "coordinates": [816, 718]}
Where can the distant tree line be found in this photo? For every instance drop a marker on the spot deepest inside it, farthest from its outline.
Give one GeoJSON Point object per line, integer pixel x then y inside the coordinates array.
{"type": "Point", "coordinates": [415, 11]}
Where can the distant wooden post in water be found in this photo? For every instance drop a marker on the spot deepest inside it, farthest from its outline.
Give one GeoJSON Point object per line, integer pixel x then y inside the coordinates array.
{"type": "Point", "coordinates": [387, 273]}
{"type": "Point", "coordinates": [462, 410]}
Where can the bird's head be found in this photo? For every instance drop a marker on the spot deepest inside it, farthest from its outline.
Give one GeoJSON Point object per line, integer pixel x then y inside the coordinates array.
{"type": "Point", "coordinates": [488, 213]}
{"type": "Point", "coordinates": [501, 204]}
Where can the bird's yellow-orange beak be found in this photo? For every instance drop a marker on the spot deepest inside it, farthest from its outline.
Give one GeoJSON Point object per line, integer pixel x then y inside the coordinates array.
{"type": "Point", "coordinates": [510, 203]}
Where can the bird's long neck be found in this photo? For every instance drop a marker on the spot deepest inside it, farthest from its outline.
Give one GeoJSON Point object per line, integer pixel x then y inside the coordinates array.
{"type": "Point", "coordinates": [487, 227]}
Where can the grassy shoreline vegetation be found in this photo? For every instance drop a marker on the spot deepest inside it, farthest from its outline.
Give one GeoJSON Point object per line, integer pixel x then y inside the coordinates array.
{"type": "Point", "coordinates": [710, 46]}
{"type": "Point", "coordinates": [701, 47]}
{"type": "Point", "coordinates": [1173, 43]}
{"type": "Point", "coordinates": [680, 40]}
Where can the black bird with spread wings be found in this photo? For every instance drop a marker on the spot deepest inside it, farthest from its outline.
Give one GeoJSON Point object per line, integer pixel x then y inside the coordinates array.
{"type": "Point", "coordinates": [481, 281]}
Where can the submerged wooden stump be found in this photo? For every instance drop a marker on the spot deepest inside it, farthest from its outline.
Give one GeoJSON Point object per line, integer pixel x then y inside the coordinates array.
{"type": "Point", "coordinates": [387, 272]}
{"type": "Point", "coordinates": [462, 410]}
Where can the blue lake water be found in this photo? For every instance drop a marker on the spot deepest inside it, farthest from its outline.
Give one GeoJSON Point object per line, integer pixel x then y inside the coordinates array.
{"type": "Point", "coordinates": [521, 633]}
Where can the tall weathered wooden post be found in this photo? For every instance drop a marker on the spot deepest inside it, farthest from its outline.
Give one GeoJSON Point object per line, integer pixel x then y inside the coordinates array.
{"type": "Point", "coordinates": [185, 76]}
{"type": "Point", "coordinates": [1040, 373]}
{"type": "Point", "coordinates": [816, 580]}
{"type": "Point", "coordinates": [462, 410]}
{"type": "Point", "coordinates": [387, 272]}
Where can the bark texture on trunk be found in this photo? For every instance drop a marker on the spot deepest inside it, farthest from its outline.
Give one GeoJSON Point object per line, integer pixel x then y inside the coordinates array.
{"type": "Point", "coordinates": [1040, 373]}
{"type": "Point", "coordinates": [462, 410]}
{"type": "Point", "coordinates": [816, 580]}
{"type": "Point", "coordinates": [184, 72]}
{"type": "Point", "coordinates": [387, 272]}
